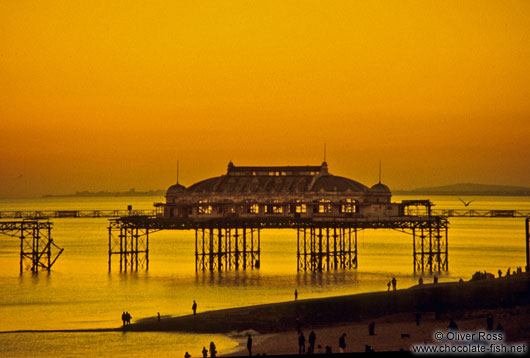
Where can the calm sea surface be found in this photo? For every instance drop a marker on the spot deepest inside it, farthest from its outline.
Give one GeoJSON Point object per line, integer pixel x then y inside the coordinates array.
{"type": "Point", "coordinates": [80, 293]}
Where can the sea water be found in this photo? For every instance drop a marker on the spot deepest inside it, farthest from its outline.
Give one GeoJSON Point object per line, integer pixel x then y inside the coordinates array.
{"type": "Point", "coordinates": [80, 293]}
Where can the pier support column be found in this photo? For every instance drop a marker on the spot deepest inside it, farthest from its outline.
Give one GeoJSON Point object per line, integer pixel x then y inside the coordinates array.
{"type": "Point", "coordinates": [36, 243]}
{"type": "Point", "coordinates": [131, 243]}
{"type": "Point", "coordinates": [326, 248]}
{"type": "Point", "coordinates": [227, 247]}
{"type": "Point", "coordinates": [430, 246]}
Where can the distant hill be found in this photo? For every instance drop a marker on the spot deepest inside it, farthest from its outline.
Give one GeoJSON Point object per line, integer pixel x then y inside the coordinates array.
{"type": "Point", "coordinates": [468, 189]}
{"type": "Point", "coordinates": [131, 192]}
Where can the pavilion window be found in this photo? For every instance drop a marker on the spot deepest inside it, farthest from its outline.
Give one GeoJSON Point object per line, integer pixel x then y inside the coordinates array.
{"type": "Point", "coordinates": [348, 206]}
{"type": "Point", "coordinates": [324, 206]}
{"type": "Point", "coordinates": [204, 207]}
{"type": "Point", "coordinates": [301, 208]}
{"type": "Point", "coordinates": [253, 209]}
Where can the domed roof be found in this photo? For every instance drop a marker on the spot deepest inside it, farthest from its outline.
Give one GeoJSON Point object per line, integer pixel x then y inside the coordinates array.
{"type": "Point", "coordinates": [380, 188]}
{"type": "Point", "coordinates": [177, 188]}
{"type": "Point", "coordinates": [267, 180]}
{"type": "Point", "coordinates": [333, 183]}
{"type": "Point", "coordinates": [206, 185]}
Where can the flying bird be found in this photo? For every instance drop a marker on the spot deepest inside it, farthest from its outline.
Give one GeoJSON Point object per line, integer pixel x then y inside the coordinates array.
{"type": "Point", "coordinates": [466, 203]}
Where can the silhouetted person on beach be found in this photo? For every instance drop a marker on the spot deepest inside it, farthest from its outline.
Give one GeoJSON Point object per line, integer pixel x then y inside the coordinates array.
{"type": "Point", "coordinates": [394, 283]}
{"type": "Point", "coordinates": [194, 307]}
{"type": "Point", "coordinates": [127, 318]}
{"type": "Point", "coordinates": [435, 279]}
{"type": "Point", "coordinates": [371, 328]}
{"type": "Point", "coordinates": [508, 271]}
{"type": "Point", "coordinates": [418, 317]}
{"type": "Point", "coordinates": [499, 328]}
{"type": "Point", "coordinates": [420, 281]}
{"type": "Point", "coordinates": [295, 294]}
{"type": "Point", "coordinates": [452, 325]}
{"type": "Point", "coordinates": [489, 322]}
{"type": "Point", "coordinates": [187, 355]}
{"type": "Point", "coordinates": [204, 352]}
{"type": "Point", "coordinates": [158, 313]}
{"type": "Point", "coordinates": [298, 326]}
{"type": "Point", "coordinates": [123, 318]}
{"type": "Point", "coordinates": [500, 273]}
{"type": "Point", "coordinates": [249, 345]}
{"type": "Point", "coordinates": [328, 350]}
{"type": "Point", "coordinates": [342, 343]}
{"type": "Point", "coordinates": [388, 286]}
{"type": "Point", "coordinates": [213, 351]}
{"type": "Point", "coordinates": [312, 339]}
{"type": "Point", "coordinates": [301, 343]}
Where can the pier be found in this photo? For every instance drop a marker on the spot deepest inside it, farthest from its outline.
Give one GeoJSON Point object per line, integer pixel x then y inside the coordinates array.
{"type": "Point", "coordinates": [326, 211]}
{"type": "Point", "coordinates": [36, 244]}
{"type": "Point", "coordinates": [325, 243]}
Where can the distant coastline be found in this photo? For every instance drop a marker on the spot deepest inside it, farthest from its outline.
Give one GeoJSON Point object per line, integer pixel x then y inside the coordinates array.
{"type": "Point", "coordinates": [103, 193]}
{"type": "Point", "coordinates": [468, 189]}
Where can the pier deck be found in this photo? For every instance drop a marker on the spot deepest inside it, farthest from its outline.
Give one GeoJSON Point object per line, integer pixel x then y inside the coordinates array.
{"type": "Point", "coordinates": [56, 214]}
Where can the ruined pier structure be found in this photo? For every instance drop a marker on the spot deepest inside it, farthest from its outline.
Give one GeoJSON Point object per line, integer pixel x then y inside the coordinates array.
{"type": "Point", "coordinates": [38, 251]}
{"type": "Point", "coordinates": [229, 212]}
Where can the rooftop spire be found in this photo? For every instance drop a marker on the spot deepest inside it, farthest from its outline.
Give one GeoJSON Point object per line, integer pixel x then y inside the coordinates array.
{"type": "Point", "coordinates": [230, 166]}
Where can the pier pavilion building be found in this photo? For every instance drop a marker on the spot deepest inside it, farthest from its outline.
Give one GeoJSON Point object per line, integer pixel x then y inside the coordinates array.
{"type": "Point", "coordinates": [228, 212]}
{"type": "Point", "coordinates": [278, 191]}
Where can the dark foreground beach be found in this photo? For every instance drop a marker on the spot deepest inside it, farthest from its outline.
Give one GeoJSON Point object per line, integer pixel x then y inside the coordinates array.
{"type": "Point", "coordinates": [275, 326]}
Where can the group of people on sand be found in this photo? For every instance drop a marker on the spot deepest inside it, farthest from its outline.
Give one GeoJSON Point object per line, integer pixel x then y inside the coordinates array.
{"type": "Point", "coordinates": [489, 324]}
{"type": "Point", "coordinates": [315, 349]}
{"type": "Point", "coordinates": [393, 283]}
{"type": "Point", "coordinates": [301, 343]}
{"type": "Point", "coordinates": [213, 351]}
{"type": "Point", "coordinates": [126, 318]}
{"type": "Point", "coordinates": [509, 271]}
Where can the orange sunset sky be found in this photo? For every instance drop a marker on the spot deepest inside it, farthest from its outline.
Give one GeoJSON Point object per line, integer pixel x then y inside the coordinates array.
{"type": "Point", "coordinates": [108, 95]}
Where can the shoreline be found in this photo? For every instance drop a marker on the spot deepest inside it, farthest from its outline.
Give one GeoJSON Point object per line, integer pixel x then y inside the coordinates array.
{"type": "Point", "coordinates": [274, 326]}
{"type": "Point", "coordinates": [441, 298]}
{"type": "Point", "coordinates": [281, 316]}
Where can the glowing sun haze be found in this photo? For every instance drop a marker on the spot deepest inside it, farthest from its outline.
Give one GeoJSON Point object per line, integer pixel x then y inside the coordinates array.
{"type": "Point", "coordinates": [108, 95]}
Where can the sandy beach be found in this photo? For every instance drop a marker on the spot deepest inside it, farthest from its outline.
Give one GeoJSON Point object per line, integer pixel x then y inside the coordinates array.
{"type": "Point", "coordinates": [389, 330]}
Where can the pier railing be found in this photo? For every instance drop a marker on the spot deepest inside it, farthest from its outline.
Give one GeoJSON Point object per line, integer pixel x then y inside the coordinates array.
{"type": "Point", "coordinates": [456, 213]}
{"type": "Point", "coordinates": [73, 214]}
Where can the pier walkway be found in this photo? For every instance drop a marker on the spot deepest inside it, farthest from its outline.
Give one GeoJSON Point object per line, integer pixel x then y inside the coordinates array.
{"type": "Point", "coordinates": [56, 214]}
